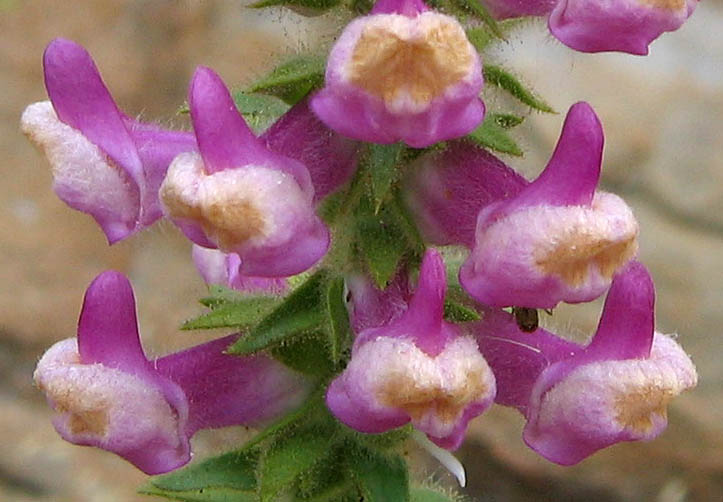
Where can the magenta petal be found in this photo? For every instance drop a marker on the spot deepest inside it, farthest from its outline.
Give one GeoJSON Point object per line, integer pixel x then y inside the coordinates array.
{"type": "Point", "coordinates": [503, 9]}
{"type": "Point", "coordinates": [573, 172]}
{"type": "Point", "coordinates": [108, 328]}
{"type": "Point", "coordinates": [157, 148]}
{"type": "Point", "coordinates": [82, 101]}
{"type": "Point", "coordinates": [217, 267]}
{"type": "Point", "coordinates": [224, 139]}
{"type": "Point", "coordinates": [517, 358]}
{"type": "Point", "coordinates": [371, 307]}
{"type": "Point", "coordinates": [446, 191]}
{"type": "Point", "coordinates": [427, 305]}
{"type": "Point", "coordinates": [225, 390]}
{"type": "Point", "coordinates": [409, 8]}
{"type": "Point", "coordinates": [616, 25]}
{"type": "Point", "coordinates": [330, 158]}
{"type": "Point", "coordinates": [627, 322]}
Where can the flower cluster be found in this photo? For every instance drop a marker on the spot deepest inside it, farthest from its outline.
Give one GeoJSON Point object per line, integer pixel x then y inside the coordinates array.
{"type": "Point", "coordinates": [323, 246]}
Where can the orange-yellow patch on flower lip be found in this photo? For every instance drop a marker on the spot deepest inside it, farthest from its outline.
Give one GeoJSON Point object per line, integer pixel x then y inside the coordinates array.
{"type": "Point", "coordinates": [572, 257]}
{"type": "Point", "coordinates": [228, 222]}
{"type": "Point", "coordinates": [665, 4]}
{"type": "Point", "coordinates": [387, 64]}
{"type": "Point", "coordinates": [417, 398]}
{"type": "Point", "coordinates": [635, 410]}
{"type": "Point", "coordinates": [232, 222]}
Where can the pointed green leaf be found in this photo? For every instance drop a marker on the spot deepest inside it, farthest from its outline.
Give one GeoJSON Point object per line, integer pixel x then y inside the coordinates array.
{"type": "Point", "coordinates": [382, 163]}
{"type": "Point", "coordinates": [203, 495]}
{"type": "Point", "coordinates": [231, 476]}
{"type": "Point", "coordinates": [306, 353]}
{"type": "Point", "coordinates": [456, 312]}
{"type": "Point", "coordinates": [290, 457]}
{"type": "Point", "coordinates": [237, 314]}
{"type": "Point", "coordinates": [476, 9]}
{"type": "Point", "coordinates": [424, 494]}
{"type": "Point", "coordinates": [494, 75]}
{"type": "Point", "coordinates": [293, 80]}
{"type": "Point", "coordinates": [381, 478]}
{"type": "Point", "coordinates": [304, 7]}
{"type": "Point", "coordinates": [480, 37]}
{"type": "Point", "coordinates": [259, 110]}
{"type": "Point", "coordinates": [490, 135]}
{"type": "Point", "coordinates": [300, 312]}
{"type": "Point", "coordinates": [338, 330]}
{"type": "Point", "coordinates": [381, 239]}
{"type": "Point", "coordinates": [506, 120]}
{"type": "Point", "coordinates": [220, 295]}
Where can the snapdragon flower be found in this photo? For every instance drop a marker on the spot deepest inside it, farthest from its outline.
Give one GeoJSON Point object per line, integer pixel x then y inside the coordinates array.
{"type": "Point", "coordinates": [579, 399]}
{"type": "Point", "coordinates": [558, 238]}
{"type": "Point", "coordinates": [597, 26]}
{"type": "Point", "coordinates": [416, 368]}
{"type": "Point", "coordinates": [402, 73]}
{"type": "Point", "coordinates": [238, 196]}
{"type": "Point", "coordinates": [104, 163]}
{"type": "Point", "coordinates": [108, 394]}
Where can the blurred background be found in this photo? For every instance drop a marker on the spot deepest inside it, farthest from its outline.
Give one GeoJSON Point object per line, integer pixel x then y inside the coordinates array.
{"type": "Point", "coordinates": [663, 117]}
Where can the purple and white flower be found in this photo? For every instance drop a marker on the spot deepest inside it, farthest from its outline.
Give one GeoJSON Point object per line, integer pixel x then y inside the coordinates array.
{"type": "Point", "coordinates": [558, 238]}
{"type": "Point", "coordinates": [238, 196]}
{"type": "Point", "coordinates": [107, 393]}
{"type": "Point", "coordinates": [104, 163]}
{"type": "Point", "coordinates": [402, 73]}
{"type": "Point", "coordinates": [417, 368]}
{"type": "Point", "coordinates": [579, 399]}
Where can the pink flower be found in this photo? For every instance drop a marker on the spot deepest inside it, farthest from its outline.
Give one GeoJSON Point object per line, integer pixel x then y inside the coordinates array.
{"type": "Point", "coordinates": [107, 394]}
{"type": "Point", "coordinates": [579, 399]}
{"type": "Point", "coordinates": [597, 26]}
{"type": "Point", "coordinates": [402, 73]}
{"type": "Point", "coordinates": [414, 367]}
{"type": "Point", "coordinates": [238, 196]}
{"type": "Point", "coordinates": [104, 163]}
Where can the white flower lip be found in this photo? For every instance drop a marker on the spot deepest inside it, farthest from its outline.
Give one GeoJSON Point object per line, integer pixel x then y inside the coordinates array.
{"type": "Point", "coordinates": [83, 176]}
{"type": "Point", "coordinates": [101, 405]}
{"type": "Point", "coordinates": [237, 208]}
{"type": "Point", "coordinates": [434, 392]}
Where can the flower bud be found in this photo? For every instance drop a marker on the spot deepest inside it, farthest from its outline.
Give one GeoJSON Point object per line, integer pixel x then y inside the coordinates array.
{"type": "Point", "coordinates": [402, 73]}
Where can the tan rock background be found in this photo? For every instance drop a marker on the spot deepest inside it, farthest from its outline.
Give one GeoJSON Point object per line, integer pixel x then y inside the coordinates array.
{"type": "Point", "coordinates": [662, 116]}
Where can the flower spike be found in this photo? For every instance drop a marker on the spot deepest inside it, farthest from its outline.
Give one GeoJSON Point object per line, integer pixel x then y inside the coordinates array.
{"type": "Point", "coordinates": [402, 73]}
{"type": "Point", "coordinates": [557, 239]}
{"type": "Point", "coordinates": [416, 368]}
{"type": "Point", "coordinates": [577, 399]}
{"type": "Point", "coordinates": [104, 163]}
{"type": "Point", "coordinates": [237, 195]}
{"type": "Point", "coordinates": [109, 395]}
